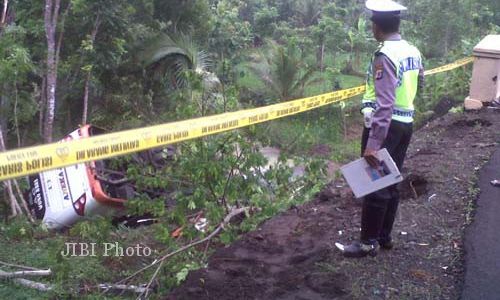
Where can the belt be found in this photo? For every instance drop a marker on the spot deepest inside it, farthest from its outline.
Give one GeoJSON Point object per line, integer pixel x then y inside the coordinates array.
{"type": "Point", "coordinates": [403, 113]}
{"type": "Point", "coordinates": [395, 111]}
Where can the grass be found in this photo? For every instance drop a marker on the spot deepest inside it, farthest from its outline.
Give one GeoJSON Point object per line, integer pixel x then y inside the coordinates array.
{"type": "Point", "coordinates": [30, 245]}
{"type": "Point", "coordinates": [297, 135]}
{"type": "Point", "coordinates": [325, 82]}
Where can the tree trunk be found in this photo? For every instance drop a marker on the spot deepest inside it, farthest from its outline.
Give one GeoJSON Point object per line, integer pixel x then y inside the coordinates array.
{"type": "Point", "coordinates": [50, 20]}
{"type": "Point", "coordinates": [447, 24]}
{"type": "Point", "coordinates": [86, 98]}
{"type": "Point", "coordinates": [447, 38]}
{"type": "Point", "coordinates": [3, 20]}
{"type": "Point", "coordinates": [23, 202]}
{"type": "Point", "coordinates": [357, 59]}
{"type": "Point", "coordinates": [41, 105]}
{"type": "Point", "coordinates": [89, 75]}
{"type": "Point", "coordinates": [16, 122]}
{"type": "Point", "coordinates": [320, 54]}
{"type": "Point", "coordinates": [12, 200]}
{"type": "Point", "coordinates": [61, 34]}
{"type": "Point", "coordinates": [322, 64]}
{"type": "Point", "coordinates": [4, 105]}
{"type": "Point", "coordinates": [4, 12]}
{"type": "Point", "coordinates": [15, 209]}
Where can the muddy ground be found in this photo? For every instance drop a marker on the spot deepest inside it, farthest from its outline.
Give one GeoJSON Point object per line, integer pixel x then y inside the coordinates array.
{"type": "Point", "coordinates": [292, 256]}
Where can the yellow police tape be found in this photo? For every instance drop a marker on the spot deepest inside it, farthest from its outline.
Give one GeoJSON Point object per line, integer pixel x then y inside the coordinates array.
{"type": "Point", "coordinates": [25, 161]}
{"type": "Point", "coordinates": [454, 65]}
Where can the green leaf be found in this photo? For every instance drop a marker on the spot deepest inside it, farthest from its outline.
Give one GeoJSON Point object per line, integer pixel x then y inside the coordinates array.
{"type": "Point", "coordinates": [191, 205]}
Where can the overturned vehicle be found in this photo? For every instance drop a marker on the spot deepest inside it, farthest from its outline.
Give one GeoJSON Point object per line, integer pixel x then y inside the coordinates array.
{"type": "Point", "coordinates": [64, 196]}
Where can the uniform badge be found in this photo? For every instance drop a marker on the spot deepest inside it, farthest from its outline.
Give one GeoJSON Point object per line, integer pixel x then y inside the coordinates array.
{"type": "Point", "coordinates": [379, 71]}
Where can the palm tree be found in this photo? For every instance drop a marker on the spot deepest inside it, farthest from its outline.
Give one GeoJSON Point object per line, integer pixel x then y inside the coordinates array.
{"type": "Point", "coordinates": [179, 53]}
{"type": "Point", "coordinates": [281, 71]}
{"type": "Point", "coordinates": [310, 12]}
{"type": "Point", "coordinates": [173, 61]}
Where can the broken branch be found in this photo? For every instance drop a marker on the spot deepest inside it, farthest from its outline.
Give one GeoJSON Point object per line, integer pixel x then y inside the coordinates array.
{"type": "Point", "coordinates": [227, 219]}
{"type": "Point", "coordinates": [122, 287]}
{"type": "Point", "coordinates": [484, 145]}
{"type": "Point", "coordinates": [221, 226]}
{"type": "Point", "coordinates": [113, 182]}
{"type": "Point", "coordinates": [16, 274]}
{"type": "Point", "coordinates": [147, 290]}
{"type": "Point", "coordinates": [33, 284]}
{"type": "Point", "coordinates": [17, 266]}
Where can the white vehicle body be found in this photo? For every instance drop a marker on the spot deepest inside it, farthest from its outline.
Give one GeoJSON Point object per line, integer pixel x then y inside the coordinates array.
{"type": "Point", "coordinates": [64, 196]}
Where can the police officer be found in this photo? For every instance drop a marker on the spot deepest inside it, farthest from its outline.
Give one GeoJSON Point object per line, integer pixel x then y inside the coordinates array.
{"type": "Point", "coordinates": [394, 74]}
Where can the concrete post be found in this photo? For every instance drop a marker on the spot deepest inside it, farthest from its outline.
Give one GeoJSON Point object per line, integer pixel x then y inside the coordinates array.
{"type": "Point", "coordinates": [485, 86]}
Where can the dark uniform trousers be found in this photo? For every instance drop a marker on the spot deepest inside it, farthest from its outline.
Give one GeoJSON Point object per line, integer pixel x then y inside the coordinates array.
{"type": "Point", "coordinates": [379, 208]}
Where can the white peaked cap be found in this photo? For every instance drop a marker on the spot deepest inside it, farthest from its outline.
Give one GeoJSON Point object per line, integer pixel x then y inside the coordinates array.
{"type": "Point", "coordinates": [384, 6]}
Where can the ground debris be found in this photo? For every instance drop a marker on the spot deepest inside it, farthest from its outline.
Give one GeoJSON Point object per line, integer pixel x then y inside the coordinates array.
{"type": "Point", "coordinates": [412, 270]}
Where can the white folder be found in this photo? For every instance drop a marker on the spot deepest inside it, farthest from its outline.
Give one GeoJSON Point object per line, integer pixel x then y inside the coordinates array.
{"type": "Point", "coordinates": [365, 180]}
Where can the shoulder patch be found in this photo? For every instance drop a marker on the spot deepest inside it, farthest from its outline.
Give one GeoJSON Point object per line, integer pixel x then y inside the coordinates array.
{"type": "Point", "coordinates": [379, 71]}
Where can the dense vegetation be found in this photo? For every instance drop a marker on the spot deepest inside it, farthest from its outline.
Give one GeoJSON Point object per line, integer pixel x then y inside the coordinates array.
{"type": "Point", "coordinates": [126, 64]}
{"type": "Point", "coordinates": [114, 60]}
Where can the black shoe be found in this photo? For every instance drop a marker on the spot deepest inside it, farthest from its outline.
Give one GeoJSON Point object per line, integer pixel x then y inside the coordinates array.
{"type": "Point", "coordinates": [386, 244]}
{"type": "Point", "coordinates": [358, 249]}
{"type": "Point", "coordinates": [495, 104]}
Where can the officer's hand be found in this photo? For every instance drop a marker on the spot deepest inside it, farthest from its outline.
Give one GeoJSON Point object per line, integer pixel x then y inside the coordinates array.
{"type": "Point", "coordinates": [371, 158]}
{"type": "Point", "coordinates": [367, 117]}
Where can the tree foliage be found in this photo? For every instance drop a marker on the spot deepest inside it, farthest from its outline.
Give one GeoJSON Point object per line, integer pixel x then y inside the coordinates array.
{"type": "Point", "coordinates": [129, 63]}
{"type": "Point", "coordinates": [282, 71]}
{"type": "Point", "coordinates": [99, 46]}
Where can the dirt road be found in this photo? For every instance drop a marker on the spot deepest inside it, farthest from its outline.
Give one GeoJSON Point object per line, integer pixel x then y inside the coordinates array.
{"type": "Point", "coordinates": [292, 256]}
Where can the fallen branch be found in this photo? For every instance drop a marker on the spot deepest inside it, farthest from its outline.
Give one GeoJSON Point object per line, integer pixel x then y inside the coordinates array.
{"type": "Point", "coordinates": [484, 145]}
{"type": "Point", "coordinates": [113, 182]}
{"type": "Point", "coordinates": [221, 226]}
{"type": "Point", "coordinates": [227, 219]}
{"type": "Point", "coordinates": [146, 292]}
{"type": "Point", "coordinates": [123, 287]}
{"type": "Point", "coordinates": [17, 274]}
{"type": "Point", "coordinates": [34, 285]}
{"type": "Point", "coordinates": [18, 266]}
